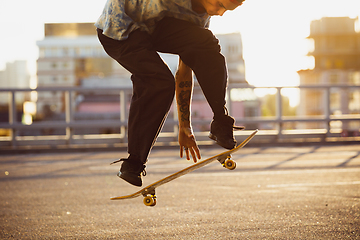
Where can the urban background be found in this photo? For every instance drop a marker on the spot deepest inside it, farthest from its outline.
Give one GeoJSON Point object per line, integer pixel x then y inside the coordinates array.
{"type": "Point", "coordinates": [81, 96]}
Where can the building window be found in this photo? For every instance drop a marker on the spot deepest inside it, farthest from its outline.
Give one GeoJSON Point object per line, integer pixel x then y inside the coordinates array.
{"type": "Point", "coordinates": [99, 51]}
{"type": "Point", "coordinates": [47, 52]}
{"type": "Point", "coordinates": [328, 64]}
{"type": "Point", "coordinates": [54, 52]}
{"type": "Point", "coordinates": [339, 64]}
{"type": "Point", "coordinates": [354, 101]}
{"type": "Point", "coordinates": [65, 51]}
{"type": "Point", "coordinates": [334, 78]}
{"type": "Point", "coordinates": [88, 51]}
{"type": "Point", "coordinates": [335, 101]}
{"type": "Point", "coordinates": [232, 49]}
{"type": "Point", "coordinates": [42, 52]}
{"type": "Point", "coordinates": [354, 78]}
{"type": "Point", "coordinates": [77, 51]}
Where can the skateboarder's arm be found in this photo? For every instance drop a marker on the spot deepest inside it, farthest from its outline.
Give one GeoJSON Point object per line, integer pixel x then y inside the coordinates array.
{"type": "Point", "coordinates": [183, 89]}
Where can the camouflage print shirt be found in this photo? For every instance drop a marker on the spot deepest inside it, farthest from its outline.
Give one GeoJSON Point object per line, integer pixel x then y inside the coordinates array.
{"type": "Point", "coordinates": [120, 17]}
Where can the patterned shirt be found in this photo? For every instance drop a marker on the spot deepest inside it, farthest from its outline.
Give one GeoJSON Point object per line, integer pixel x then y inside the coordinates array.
{"type": "Point", "coordinates": [120, 17]}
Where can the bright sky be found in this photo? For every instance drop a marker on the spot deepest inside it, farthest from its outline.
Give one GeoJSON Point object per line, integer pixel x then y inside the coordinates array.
{"type": "Point", "coordinates": [274, 31]}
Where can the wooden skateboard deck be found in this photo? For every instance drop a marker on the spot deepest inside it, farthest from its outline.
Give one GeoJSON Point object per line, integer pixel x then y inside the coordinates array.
{"type": "Point", "coordinates": [149, 191]}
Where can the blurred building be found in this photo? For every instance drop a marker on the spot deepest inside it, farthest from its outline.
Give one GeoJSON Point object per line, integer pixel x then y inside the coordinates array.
{"type": "Point", "coordinates": [337, 61]}
{"type": "Point", "coordinates": [15, 75]}
{"type": "Point", "coordinates": [71, 55]}
{"type": "Point", "coordinates": [232, 49]}
{"type": "Point", "coordinates": [68, 55]}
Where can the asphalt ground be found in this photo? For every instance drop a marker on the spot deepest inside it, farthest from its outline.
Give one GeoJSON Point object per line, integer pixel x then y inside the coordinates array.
{"type": "Point", "coordinates": [310, 192]}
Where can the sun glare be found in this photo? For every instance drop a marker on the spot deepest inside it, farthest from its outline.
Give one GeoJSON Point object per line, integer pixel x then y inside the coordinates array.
{"type": "Point", "coordinates": [274, 35]}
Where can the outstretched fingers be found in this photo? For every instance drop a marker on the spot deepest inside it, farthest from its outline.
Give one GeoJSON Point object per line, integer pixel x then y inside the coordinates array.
{"type": "Point", "coordinates": [188, 145]}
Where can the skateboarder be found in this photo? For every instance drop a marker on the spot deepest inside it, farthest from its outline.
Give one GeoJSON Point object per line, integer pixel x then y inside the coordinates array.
{"type": "Point", "coordinates": [132, 32]}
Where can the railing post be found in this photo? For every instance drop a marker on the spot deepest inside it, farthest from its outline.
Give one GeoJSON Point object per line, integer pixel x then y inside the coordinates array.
{"type": "Point", "coordinates": [123, 114]}
{"type": "Point", "coordinates": [12, 118]}
{"type": "Point", "coordinates": [279, 111]}
{"type": "Point", "coordinates": [175, 118]}
{"type": "Point", "coordinates": [68, 116]}
{"type": "Point", "coordinates": [229, 100]}
{"type": "Point", "coordinates": [327, 111]}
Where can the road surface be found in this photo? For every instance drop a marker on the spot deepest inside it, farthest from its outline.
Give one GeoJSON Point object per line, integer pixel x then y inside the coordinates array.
{"type": "Point", "coordinates": [310, 192]}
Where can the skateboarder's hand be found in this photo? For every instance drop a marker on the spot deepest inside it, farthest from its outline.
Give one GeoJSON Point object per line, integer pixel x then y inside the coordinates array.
{"type": "Point", "coordinates": [188, 144]}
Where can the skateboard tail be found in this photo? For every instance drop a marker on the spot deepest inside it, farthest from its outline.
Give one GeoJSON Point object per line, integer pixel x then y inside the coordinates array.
{"type": "Point", "coordinates": [116, 161]}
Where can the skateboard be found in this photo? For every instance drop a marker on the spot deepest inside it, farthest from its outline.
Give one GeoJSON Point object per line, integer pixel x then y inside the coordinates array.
{"type": "Point", "coordinates": [224, 158]}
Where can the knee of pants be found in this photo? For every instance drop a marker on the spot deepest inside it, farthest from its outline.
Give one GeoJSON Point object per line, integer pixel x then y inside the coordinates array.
{"type": "Point", "coordinates": [204, 57]}
{"type": "Point", "coordinates": [154, 90]}
{"type": "Point", "coordinates": [166, 90]}
{"type": "Point", "coordinates": [207, 66]}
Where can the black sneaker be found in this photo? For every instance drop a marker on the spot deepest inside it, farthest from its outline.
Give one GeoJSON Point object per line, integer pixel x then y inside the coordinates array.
{"type": "Point", "coordinates": [221, 131]}
{"type": "Point", "coordinates": [131, 171]}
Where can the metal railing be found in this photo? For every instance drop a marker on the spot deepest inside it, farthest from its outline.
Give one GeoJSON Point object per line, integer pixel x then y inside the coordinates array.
{"type": "Point", "coordinates": [278, 134]}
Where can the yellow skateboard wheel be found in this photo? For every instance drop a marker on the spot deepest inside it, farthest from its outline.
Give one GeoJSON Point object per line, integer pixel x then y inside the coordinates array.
{"type": "Point", "coordinates": [150, 201]}
{"type": "Point", "coordinates": [230, 164]}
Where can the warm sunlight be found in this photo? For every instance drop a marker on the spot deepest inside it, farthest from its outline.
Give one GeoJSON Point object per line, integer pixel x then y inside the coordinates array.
{"type": "Point", "coordinates": [274, 37]}
{"type": "Point", "coordinates": [273, 32]}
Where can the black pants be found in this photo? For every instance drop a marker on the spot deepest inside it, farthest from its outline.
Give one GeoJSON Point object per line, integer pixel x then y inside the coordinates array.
{"type": "Point", "coordinates": [153, 82]}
